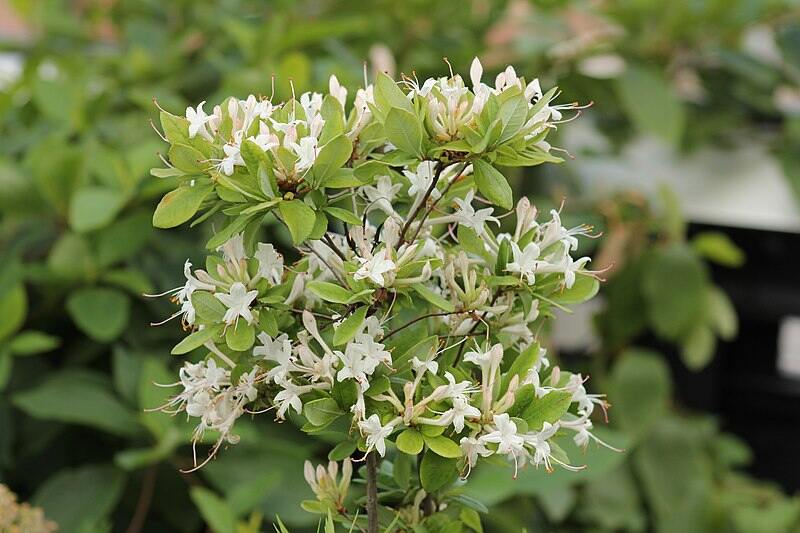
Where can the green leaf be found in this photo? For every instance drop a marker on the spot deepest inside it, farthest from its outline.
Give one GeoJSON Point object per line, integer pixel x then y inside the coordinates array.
{"type": "Point", "coordinates": [410, 441]}
{"type": "Point", "coordinates": [344, 215]}
{"type": "Point", "coordinates": [651, 103]}
{"type": "Point", "coordinates": [718, 247]}
{"type": "Point", "coordinates": [322, 411]}
{"type": "Point", "coordinates": [504, 254]}
{"type": "Point", "coordinates": [512, 114]}
{"type": "Point", "coordinates": [549, 408]}
{"type": "Point", "coordinates": [698, 348]}
{"type": "Point", "coordinates": [584, 288]}
{"type": "Point", "coordinates": [81, 499]}
{"type": "Point", "coordinates": [13, 309]}
{"type": "Point", "coordinates": [215, 511]}
{"type": "Point", "coordinates": [208, 309]}
{"type": "Point", "coordinates": [188, 159]}
{"type": "Point", "coordinates": [492, 184]}
{"type": "Point", "coordinates": [343, 450]}
{"type": "Point", "coordinates": [443, 446]}
{"type": "Point", "coordinates": [388, 94]}
{"type": "Point", "coordinates": [240, 336]}
{"type": "Point", "coordinates": [436, 472]}
{"type": "Point", "coordinates": [721, 314]}
{"type": "Point", "coordinates": [347, 329]}
{"type": "Point", "coordinates": [94, 207]}
{"type": "Point", "coordinates": [471, 519]}
{"type": "Point", "coordinates": [32, 342]}
{"type": "Point", "coordinates": [404, 131]}
{"type": "Point", "coordinates": [332, 156]}
{"type": "Point", "coordinates": [77, 397]}
{"type": "Point", "coordinates": [99, 312]}
{"type": "Point", "coordinates": [640, 389]}
{"type": "Point", "coordinates": [299, 218]}
{"type": "Point", "coordinates": [433, 298]}
{"type": "Point", "coordinates": [329, 292]}
{"type": "Point", "coordinates": [178, 206]}
{"type": "Point", "coordinates": [196, 339]}
{"type": "Point", "coordinates": [521, 365]}
{"type": "Point", "coordinates": [176, 129]}
{"type": "Point", "coordinates": [673, 283]}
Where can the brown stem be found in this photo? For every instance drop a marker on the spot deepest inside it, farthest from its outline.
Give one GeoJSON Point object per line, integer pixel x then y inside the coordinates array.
{"type": "Point", "coordinates": [145, 499]}
{"type": "Point", "coordinates": [423, 317]}
{"type": "Point", "coordinates": [372, 492]}
{"type": "Point", "coordinates": [412, 216]}
{"type": "Point", "coordinates": [431, 207]}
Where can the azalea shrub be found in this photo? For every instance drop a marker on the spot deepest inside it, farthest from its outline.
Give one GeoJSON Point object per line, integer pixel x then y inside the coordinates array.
{"type": "Point", "coordinates": [403, 324]}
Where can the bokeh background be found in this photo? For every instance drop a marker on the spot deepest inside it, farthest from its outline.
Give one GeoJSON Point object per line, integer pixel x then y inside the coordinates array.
{"type": "Point", "coordinates": [688, 161]}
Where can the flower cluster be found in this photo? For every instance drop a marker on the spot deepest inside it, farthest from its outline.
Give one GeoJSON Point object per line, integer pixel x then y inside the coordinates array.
{"type": "Point", "coordinates": [406, 321]}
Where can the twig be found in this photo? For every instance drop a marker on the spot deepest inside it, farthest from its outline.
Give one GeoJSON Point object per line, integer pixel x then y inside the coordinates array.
{"type": "Point", "coordinates": [332, 245]}
{"type": "Point", "coordinates": [372, 492]}
{"type": "Point", "coordinates": [423, 317]}
{"type": "Point", "coordinates": [413, 215]}
{"type": "Point", "coordinates": [145, 499]}
{"type": "Point", "coordinates": [435, 202]}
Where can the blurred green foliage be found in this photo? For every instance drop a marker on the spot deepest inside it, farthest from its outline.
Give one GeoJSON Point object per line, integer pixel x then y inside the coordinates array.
{"type": "Point", "coordinates": [77, 250]}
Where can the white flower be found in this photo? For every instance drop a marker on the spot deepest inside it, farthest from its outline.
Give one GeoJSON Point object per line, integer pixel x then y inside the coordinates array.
{"type": "Point", "coordinates": [421, 179]}
{"type": "Point", "coordinates": [353, 366]}
{"type": "Point", "coordinates": [371, 351]}
{"type": "Point", "coordinates": [184, 293]}
{"type": "Point", "coordinates": [289, 397]}
{"type": "Point", "coordinates": [270, 263]}
{"type": "Point", "coordinates": [525, 261]}
{"type": "Point", "coordinates": [238, 302]}
{"type": "Point", "coordinates": [306, 151]}
{"type": "Point", "coordinates": [247, 385]}
{"type": "Point", "coordinates": [216, 377]}
{"type": "Point", "coordinates": [506, 437]}
{"type": "Point", "coordinates": [278, 351]}
{"type": "Point", "coordinates": [382, 194]}
{"type": "Point", "coordinates": [428, 365]}
{"type": "Point", "coordinates": [233, 249]}
{"type": "Point", "coordinates": [337, 91]}
{"type": "Point", "coordinates": [487, 360]}
{"type": "Point", "coordinates": [197, 121]}
{"type": "Point", "coordinates": [311, 104]}
{"type": "Point", "coordinates": [374, 269]}
{"type": "Point", "coordinates": [456, 414]}
{"type": "Point", "coordinates": [538, 440]}
{"type": "Point", "coordinates": [375, 433]}
{"type": "Point", "coordinates": [475, 73]}
{"type": "Point", "coordinates": [473, 448]}
{"type": "Point", "coordinates": [467, 216]}
{"type": "Point", "coordinates": [452, 389]}
{"type": "Point", "coordinates": [233, 157]}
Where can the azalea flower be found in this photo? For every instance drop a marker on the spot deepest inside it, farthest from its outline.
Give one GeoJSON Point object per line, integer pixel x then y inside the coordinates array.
{"type": "Point", "coordinates": [197, 121]}
{"type": "Point", "coordinates": [455, 415]}
{"type": "Point", "coordinates": [375, 433]}
{"type": "Point", "coordinates": [270, 263]}
{"type": "Point", "coordinates": [337, 91]}
{"type": "Point", "coordinates": [375, 268]}
{"type": "Point", "coordinates": [278, 351]}
{"type": "Point", "coordinates": [238, 302]}
{"type": "Point", "coordinates": [428, 365]}
{"type": "Point", "coordinates": [505, 435]}
{"type": "Point", "coordinates": [466, 215]}
{"type": "Point", "coordinates": [421, 179]}
{"type": "Point", "coordinates": [306, 151]}
{"type": "Point", "coordinates": [525, 261]}
{"type": "Point", "coordinates": [473, 448]}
